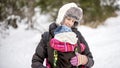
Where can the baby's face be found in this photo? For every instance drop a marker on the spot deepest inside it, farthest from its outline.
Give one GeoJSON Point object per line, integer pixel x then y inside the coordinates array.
{"type": "Point", "coordinates": [69, 21]}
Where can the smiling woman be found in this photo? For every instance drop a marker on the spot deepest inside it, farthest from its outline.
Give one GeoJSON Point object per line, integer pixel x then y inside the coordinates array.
{"type": "Point", "coordinates": [64, 46]}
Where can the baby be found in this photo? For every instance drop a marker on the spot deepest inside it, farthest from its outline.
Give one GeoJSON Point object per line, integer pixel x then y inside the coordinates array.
{"type": "Point", "coordinates": [64, 40]}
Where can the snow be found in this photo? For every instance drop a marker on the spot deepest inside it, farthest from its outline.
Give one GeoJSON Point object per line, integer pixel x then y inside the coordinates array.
{"type": "Point", "coordinates": [104, 43]}
{"type": "Point", "coordinates": [17, 49]}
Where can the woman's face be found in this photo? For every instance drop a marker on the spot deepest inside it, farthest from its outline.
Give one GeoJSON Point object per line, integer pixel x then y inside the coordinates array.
{"type": "Point", "coordinates": [69, 21]}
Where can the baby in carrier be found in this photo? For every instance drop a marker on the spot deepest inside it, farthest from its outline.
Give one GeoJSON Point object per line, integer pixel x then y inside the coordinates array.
{"type": "Point", "coordinates": [64, 40]}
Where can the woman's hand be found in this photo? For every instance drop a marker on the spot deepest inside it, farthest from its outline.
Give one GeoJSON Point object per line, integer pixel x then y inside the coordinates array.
{"type": "Point", "coordinates": [79, 59]}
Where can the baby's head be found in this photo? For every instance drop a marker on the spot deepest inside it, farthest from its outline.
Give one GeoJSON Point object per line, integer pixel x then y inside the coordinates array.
{"type": "Point", "coordinates": [62, 28]}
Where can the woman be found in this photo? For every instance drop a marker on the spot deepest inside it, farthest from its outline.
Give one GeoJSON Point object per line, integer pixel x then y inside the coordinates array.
{"type": "Point", "coordinates": [62, 52]}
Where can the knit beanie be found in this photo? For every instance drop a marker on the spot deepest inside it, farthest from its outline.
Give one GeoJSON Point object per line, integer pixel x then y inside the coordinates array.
{"type": "Point", "coordinates": [61, 29]}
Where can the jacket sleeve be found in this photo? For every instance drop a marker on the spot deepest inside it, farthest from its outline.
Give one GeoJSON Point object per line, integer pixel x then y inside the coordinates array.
{"type": "Point", "coordinates": [87, 52]}
{"type": "Point", "coordinates": [40, 54]}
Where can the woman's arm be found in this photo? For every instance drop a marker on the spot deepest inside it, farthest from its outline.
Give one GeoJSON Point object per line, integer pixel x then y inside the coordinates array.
{"type": "Point", "coordinates": [87, 52]}
{"type": "Point", "coordinates": [40, 53]}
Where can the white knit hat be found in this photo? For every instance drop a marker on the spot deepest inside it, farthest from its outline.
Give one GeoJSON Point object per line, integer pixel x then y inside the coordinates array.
{"type": "Point", "coordinates": [68, 9]}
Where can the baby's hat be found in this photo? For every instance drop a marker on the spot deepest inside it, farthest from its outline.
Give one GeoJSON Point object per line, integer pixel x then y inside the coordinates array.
{"type": "Point", "coordinates": [61, 29]}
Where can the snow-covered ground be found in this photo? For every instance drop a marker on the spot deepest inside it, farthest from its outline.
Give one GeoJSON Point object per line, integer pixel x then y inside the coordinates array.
{"type": "Point", "coordinates": [17, 49]}
{"type": "Point", "coordinates": [104, 43]}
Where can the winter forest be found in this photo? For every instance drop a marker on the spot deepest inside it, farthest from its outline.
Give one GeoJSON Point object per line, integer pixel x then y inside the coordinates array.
{"type": "Point", "coordinates": [23, 21]}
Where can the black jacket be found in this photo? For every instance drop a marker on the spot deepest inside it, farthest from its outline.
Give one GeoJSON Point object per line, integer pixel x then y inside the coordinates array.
{"type": "Point", "coordinates": [43, 51]}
